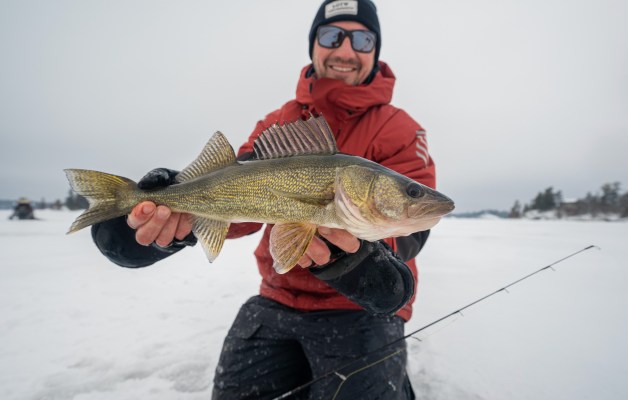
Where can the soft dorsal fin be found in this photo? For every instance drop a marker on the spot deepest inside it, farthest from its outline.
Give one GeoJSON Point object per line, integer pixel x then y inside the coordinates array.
{"type": "Point", "coordinates": [216, 154]}
{"type": "Point", "coordinates": [297, 138]}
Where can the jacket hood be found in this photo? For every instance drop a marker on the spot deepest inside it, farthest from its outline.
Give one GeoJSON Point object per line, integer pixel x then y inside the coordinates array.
{"type": "Point", "coordinates": [326, 94]}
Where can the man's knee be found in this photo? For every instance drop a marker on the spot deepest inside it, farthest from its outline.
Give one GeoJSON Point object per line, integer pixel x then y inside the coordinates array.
{"type": "Point", "coordinates": [256, 361]}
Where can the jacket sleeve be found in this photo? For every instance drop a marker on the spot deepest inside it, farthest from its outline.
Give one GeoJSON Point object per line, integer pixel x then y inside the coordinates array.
{"type": "Point", "coordinates": [401, 145]}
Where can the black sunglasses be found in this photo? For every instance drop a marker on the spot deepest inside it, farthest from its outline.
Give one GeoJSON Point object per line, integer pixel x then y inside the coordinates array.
{"type": "Point", "coordinates": [331, 37]}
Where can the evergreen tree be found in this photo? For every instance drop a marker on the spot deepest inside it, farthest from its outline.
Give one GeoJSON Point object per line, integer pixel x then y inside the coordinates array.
{"type": "Point", "coordinates": [609, 200]}
{"type": "Point", "coordinates": [546, 200]}
{"type": "Point", "coordinates": [515, 211]}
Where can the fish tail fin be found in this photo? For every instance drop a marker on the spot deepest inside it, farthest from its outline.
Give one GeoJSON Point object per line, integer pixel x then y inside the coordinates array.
{"type": "Point", "coordinates": [109, 196]}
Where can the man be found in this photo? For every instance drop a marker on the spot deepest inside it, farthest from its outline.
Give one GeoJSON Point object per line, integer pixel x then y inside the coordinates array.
{"type": "Point", "coordinates": [355, 296]}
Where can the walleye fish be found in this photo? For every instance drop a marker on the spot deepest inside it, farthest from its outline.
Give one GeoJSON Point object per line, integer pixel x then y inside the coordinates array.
{"type": "Point", "coordinates": [296, 180]}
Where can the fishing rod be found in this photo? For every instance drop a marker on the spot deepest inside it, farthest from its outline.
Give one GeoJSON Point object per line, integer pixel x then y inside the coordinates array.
{"type": "Point", "coordinates": [364, 357]}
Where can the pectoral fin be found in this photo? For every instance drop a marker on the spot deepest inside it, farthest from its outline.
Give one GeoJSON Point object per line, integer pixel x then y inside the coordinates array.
{"type": "Point", "coordinates": [288, 243]}
{"type": "Point", "coordinates": [211, 234]}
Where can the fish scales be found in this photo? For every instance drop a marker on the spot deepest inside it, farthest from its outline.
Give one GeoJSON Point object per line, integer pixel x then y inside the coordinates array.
{"type": "Point", "coordinates": [253, 190]}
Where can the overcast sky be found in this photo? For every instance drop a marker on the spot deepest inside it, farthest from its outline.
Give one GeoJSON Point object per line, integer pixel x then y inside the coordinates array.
{"type": "Point", "coordinates": [516, 96]}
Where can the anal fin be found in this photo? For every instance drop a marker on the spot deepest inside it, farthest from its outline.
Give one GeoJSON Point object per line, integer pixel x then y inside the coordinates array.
{"type": "Point", "coordinates": [211, 234]}
{"type": "Point", "coordinates": [288, 243]}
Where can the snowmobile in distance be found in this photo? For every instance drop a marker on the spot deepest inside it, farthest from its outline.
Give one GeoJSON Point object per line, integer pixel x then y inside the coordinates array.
{"type": "Point", "coordinates": [23, 210]}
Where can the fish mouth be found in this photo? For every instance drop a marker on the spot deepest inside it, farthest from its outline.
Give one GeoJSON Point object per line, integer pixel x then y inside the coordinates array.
{"type": "Point", "coordinates": [422, 215]}
{"type": "Point", "coordinates": [436, 206]}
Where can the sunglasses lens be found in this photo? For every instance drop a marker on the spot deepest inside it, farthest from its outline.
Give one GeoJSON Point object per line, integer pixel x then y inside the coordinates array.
{"type": "Point", "coordinates": [363, 41]}
{"type": "Point", "coordinates": [330, 36]}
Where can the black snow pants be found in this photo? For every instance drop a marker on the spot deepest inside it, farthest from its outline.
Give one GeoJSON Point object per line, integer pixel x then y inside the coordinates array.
{"type": "Point", "coordinates": [272, 349]}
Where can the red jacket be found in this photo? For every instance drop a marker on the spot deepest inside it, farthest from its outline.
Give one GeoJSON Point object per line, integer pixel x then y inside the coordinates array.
{"type": "Point", "coordinates": [365, 125]}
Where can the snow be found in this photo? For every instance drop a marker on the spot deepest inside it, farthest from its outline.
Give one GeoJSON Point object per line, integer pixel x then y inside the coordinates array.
{"type": "Point", "coordinates": [74, 326]}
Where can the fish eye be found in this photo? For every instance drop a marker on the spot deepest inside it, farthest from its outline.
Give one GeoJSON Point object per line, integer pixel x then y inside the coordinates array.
{"type": "Point", "coordinates": [414, 190]}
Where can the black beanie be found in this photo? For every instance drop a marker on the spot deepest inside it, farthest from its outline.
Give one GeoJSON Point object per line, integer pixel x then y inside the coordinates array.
{"type": "Point", "coordinates": [362, 11]}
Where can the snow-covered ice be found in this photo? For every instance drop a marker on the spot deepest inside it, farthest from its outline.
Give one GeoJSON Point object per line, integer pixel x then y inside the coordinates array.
{"type": "Point", "coordinates": [74, 326]}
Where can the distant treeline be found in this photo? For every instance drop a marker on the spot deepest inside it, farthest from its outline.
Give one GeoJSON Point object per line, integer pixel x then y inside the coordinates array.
{"type": "Point", "coordinates": [610, 200]}
{"type": "Point", "coordinates": [481, 213]}
{"type": "Point", "coordinates": [76, 201]}
{"type": "Point", "coordinates": [72, 202]}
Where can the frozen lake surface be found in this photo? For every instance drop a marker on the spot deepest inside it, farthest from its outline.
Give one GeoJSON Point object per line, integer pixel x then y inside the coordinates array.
{"type": "Point", "coordinates": [74, 326]}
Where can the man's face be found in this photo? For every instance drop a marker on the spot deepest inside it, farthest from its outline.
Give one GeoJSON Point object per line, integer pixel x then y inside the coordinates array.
{"type": "Point", "coordinates": [343, 63]}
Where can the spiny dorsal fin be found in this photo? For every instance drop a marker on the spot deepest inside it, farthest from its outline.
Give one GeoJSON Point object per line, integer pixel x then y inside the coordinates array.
{"type": "Point", "coordinates": [297, 138]}
{"type": "Point", "coordinates": [216, 154]}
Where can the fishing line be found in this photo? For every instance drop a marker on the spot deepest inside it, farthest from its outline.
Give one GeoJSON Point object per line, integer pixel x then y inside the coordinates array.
{"type": "Point", "coordinates": [364, 357]}
{"type": "Point", "coordinates": [344, 378]}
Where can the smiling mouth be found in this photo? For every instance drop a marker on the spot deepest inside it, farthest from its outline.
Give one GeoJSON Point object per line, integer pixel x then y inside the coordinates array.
{"type": "Point", "coordinates": [338, 68]}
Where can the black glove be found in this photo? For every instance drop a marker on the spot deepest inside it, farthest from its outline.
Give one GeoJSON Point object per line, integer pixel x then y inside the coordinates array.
{"type": "Point", "coordinates": [374, 277]}
{"type": "Point", "coordinates": [158, 178]}
{"type": "Point", "coordinates": [116, 240]}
